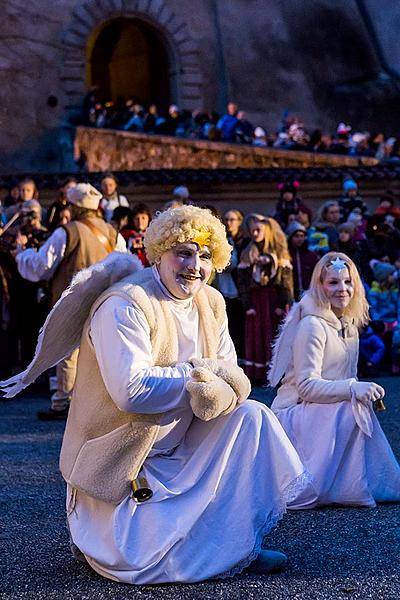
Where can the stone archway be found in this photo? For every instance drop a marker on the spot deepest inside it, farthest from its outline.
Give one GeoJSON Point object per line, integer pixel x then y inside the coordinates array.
{"type": "Point", "coordinates": [128, 59]}
{"type": "Point", "coordinates": [185, 77]}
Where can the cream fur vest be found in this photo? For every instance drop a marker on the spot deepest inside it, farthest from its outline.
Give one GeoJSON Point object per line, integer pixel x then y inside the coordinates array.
{"type": "Point", "coordinates": [103, 447]}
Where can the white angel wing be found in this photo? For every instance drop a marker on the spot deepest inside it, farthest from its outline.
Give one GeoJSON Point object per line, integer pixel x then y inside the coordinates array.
{"type": "Point", "coordinates": [282, 348]}
{"type": "Point", "coordinates": [62, 330]}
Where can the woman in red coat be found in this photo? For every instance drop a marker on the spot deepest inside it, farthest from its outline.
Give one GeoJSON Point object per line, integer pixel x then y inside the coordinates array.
{"type": "Point", "coordinates": [266, 289]}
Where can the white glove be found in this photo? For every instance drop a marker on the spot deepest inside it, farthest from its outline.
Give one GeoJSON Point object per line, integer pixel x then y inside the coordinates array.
{"type": "Point", "coordinates": [210, 395]}
{"type": "Point", "coordinates": [230, 373]}
{"type": "Point", "coordinates": [367, 391]}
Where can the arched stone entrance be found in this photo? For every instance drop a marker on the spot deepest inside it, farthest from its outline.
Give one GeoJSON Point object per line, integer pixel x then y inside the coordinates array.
{"type": "Point", "coordinates": [128, 58]}
{"type": "Point", "coordinates": [152, 18]}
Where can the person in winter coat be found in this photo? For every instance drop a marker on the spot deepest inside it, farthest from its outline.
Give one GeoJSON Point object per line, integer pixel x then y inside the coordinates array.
{"type": "Point", "coordinates": [289, 202]}
{"type": "Point", "coordinates": [326, 412]}
{"type": "Point", "coordinates": [372, 349]}
{"type": "Point", "coordinates": [303, 260]}
{"type": "Point", "coordinates": [351, 199]}
{"type": "Point", "coordinates": [383, 296]}
{"type": "Point", "coordinates": [328, 221]}
{"type": "Point", "coordinates": [265, 284]}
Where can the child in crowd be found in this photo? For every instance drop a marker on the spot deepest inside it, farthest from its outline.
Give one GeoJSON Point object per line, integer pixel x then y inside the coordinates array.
{"type": "Point", "coordinates": [383, 298]}
{"type": "Point", "coordinates": [372, 349]}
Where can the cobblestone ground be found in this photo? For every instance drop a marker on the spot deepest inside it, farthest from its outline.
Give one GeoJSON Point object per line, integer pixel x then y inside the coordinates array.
{"type": "Point", "coordinates": [334, 553]}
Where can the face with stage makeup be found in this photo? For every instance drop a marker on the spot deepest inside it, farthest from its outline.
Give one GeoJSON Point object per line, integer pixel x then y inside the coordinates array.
{"type": "Point", "coordinates": [185, 269]}
{"type": "Point", "coordinates": [338, 287]}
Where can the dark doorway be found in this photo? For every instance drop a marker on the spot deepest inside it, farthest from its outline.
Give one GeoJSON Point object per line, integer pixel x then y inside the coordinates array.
{"type": "Point", "coordinates": [128, 58]}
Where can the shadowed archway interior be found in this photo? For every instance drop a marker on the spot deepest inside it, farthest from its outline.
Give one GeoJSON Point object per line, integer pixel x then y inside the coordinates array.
{"type": "Point", "coordinates": [128, 58]}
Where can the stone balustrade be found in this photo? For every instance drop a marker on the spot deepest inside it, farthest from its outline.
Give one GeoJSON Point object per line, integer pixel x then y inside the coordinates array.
{"type": "Point", "coordinates": [110, 150]}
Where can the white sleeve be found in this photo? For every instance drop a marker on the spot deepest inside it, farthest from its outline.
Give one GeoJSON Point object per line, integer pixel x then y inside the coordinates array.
{"type": "Point", "coordinates": [308, 353]}
{"type": "Point", "coordinates": [226, 349]}
{"type": "Point", "coordinates": [121, 244]}
{"type": "Point", "coordinates": [42, 264]}
{"type": "Point", "coordinates": [121, 338]}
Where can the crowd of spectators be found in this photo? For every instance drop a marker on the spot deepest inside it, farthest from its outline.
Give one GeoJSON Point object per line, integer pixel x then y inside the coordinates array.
{"type": "Point", "coordinates": [235, 127]}
{"type": "Point", "coordinates": [272, 262]}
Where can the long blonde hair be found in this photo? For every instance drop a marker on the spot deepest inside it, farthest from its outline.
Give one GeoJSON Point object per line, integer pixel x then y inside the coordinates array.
{"type": "Point", "coordinates": [358, 308]}
{"type": "Point", "coordinates": [274, 240]}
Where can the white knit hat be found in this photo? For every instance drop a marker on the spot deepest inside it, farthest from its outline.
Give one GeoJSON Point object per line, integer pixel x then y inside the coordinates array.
{"type": "Point", "coordinates": [84, 195]}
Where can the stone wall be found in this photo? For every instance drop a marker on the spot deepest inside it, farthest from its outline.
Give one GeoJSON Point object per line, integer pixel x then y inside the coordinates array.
{"type": "Point", "coordinates": [107, 150]}
{"type": "Point", "coordinates": [313, 58]}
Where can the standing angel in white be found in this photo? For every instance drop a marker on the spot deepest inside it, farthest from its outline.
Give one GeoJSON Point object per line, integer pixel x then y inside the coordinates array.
{"type": "Point", "coordinates": [163, 455]}
{"type": "Point", "coordinates": [327, 414]}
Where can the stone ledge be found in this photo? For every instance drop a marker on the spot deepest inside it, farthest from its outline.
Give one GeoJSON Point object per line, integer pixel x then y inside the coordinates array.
{"type": "Point", "coordinates": [105, 149]}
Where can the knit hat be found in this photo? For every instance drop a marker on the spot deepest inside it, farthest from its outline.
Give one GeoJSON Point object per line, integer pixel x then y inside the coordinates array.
{"type": "Point", "coordinates": [182, 191]}
{"type": "Point", "coordinates": [343, 129]}
{"type": "Point", "coordinates": [349, 227]}
{"type": "Point", "coordinates": [32, 206]}
{"type": "Point", "coordinates": [259, 132]}
{"type": "Point", "coordinates": [349, 184]}
{"type": "Point", "coordinates": [84, 195]}
{"type": "Point", "coordinates": [381, 270]}
{"type": "Point", "coordinates": [288, 186]}
{"type": "Point", "coordinates": [293, 228]}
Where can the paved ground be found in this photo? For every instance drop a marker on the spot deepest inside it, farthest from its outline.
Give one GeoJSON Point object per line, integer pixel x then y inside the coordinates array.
{"type": "Point", "coordinates": [334, 553]}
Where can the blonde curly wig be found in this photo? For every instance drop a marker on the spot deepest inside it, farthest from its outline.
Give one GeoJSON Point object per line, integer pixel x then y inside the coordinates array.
{"type": "Point", "coordinates": [183, 224]}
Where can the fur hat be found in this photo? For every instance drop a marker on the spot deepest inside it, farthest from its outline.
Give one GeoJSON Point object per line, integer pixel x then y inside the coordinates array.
{"type": "Point", "coordinates": [84, 195]}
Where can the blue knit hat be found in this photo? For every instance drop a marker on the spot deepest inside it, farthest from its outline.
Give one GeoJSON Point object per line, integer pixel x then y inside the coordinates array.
{"type": "Point", "coordinates": [382, 270]}
{"type": "Point", "coordinates": [349, 184]}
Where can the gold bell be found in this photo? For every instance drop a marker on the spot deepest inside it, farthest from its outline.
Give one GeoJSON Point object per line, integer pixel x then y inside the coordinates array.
{"type": "Point", "coordinates": [379, 405]}
{"type": "Point", "coordinates": [141, 490]}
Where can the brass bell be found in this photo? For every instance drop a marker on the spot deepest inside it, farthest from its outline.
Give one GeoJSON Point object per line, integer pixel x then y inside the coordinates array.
{"type": "Point", "coordinates": [141, 491]}
{"type": "Point", "coordinates": [379, 405]}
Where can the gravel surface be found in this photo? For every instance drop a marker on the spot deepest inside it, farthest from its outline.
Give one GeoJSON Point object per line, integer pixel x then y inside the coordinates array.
{"type": "Point", "coordinates": [334, 553]}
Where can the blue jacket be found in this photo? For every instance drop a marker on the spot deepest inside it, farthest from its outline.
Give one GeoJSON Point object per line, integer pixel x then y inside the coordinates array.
{"type": "Point", "coordinates": [227, 125]}
{"type": "Point", "coordinates": [372, 348]}
{"type": "Point", "coordinates": [384, 303]}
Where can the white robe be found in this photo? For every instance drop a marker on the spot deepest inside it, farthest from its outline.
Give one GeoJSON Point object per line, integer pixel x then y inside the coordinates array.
{"type": "Point", "coordinates": [213, 503]}
{"type": "Point", "coordinates": [315, 409]}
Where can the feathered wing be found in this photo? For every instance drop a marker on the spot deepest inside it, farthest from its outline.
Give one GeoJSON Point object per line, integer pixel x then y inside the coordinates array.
{"type": "Point", "coordinates": [62, 330]}
{"type": "Point", "coordinates": [283, 345]}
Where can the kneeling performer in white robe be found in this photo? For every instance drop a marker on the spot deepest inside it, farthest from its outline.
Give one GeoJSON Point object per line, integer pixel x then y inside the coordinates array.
{"type": "Point", "coordinates": [328, 414]}
{"type": "Point", "coordinates": [159, 402]}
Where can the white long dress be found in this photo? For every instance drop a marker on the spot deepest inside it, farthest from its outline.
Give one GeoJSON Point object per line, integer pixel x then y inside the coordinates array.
{"type": "Point", "coordinates": [349, 464]}
{"type": "Point", "coordinates": [212, 503]}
